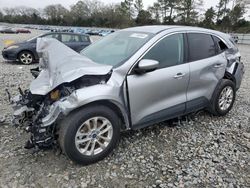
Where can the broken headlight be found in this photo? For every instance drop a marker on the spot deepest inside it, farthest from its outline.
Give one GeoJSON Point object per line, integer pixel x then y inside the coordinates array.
{"type": "Point", "coordinates": [55, 95]}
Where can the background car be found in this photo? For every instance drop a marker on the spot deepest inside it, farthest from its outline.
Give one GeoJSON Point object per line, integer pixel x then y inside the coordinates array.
{"type": "Point", "coordinates": [23, 31]}
{"type": "Point", "coordinates": [104, 33]}
{"type": "Point", "coordinates": [7, 30]}
{"type": "Point", "coordinates": [25, 52]}
{"type": "Point", "coordinates": [235, 38]}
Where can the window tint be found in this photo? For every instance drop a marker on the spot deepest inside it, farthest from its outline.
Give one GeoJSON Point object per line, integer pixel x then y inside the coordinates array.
{"type": "Point", "coordinates": [221, 46]}
{"type": "Point", "coordinates": [168, 52]}
{"type": "Point", "coordinates": [201, 46]}
{"type": "Point", "coordinates": [70, 38]}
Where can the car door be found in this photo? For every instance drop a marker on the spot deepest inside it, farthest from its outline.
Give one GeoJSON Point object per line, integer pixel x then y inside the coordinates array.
{"type": "Point", "coordinates": [207, 67]}
{"type": "Point", "coordinates": [161, 94]}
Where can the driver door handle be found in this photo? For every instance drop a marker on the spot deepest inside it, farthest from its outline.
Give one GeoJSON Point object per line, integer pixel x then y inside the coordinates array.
{"type": "Point", "coordinates": [179, 75]}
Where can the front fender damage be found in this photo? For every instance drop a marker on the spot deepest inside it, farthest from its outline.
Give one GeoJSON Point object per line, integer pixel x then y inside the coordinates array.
{"type": "Point", "coordinates": [39, 114]}
{"type": "Point", "coordinates": [77, 99]}
{"type": "Point", "coordinates": [61, 72]}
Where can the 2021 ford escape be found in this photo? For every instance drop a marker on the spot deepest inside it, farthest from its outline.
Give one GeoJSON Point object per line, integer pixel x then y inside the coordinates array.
{"type": "Point", "coordinates": [128, 80]}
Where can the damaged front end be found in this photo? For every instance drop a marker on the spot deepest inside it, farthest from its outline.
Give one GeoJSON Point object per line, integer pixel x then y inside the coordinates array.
{"type": "Point", "coordinates": [29, 109]}
{"type": "Point", "coordinates": [59, 75]}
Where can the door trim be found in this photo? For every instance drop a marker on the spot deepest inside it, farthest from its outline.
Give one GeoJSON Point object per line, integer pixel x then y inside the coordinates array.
{"type": "Point", "coordinates": [172, 112]}
{"type": "Point", "coordinates": [196, 104]}
{"type": "Point", "coordinates": [160, 116]}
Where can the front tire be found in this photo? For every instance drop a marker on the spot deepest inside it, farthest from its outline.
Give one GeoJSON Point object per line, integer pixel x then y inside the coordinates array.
{"type": "Point", "coordinates": [89, 134]}
{"type": "Point", "coordinates": [26, 57]}
{"type": "Point", "coordinates": [223, 98]}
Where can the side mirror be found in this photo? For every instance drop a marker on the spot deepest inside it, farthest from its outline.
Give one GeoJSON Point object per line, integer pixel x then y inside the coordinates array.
{"type": "Point", "coordinates": [147, 65]}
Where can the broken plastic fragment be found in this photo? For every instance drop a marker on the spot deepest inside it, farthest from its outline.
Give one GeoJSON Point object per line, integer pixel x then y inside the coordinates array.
{"type": "Point", "coordinates": [2, 119]}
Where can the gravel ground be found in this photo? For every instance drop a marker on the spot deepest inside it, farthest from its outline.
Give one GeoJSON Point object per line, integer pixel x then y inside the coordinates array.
{"type": "Point", "coordinates": [203, 152]}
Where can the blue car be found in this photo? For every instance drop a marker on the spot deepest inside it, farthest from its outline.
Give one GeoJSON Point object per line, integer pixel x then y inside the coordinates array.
{"type": "Point", "coordinates": [25, 52]}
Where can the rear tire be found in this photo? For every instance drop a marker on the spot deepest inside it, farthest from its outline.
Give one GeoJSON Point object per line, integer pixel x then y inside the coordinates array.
{"type": "Point", "coordinates": [82, 135]}
{"type": "Point", "coordinates": [223, 98]}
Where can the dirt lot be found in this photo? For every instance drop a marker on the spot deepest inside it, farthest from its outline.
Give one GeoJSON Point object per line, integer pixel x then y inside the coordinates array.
{"type": "Point", "coordinates": [205, 152]}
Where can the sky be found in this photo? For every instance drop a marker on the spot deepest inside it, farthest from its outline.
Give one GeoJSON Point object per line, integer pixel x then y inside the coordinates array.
{"type": "Point", "coordinates": [67, 3]}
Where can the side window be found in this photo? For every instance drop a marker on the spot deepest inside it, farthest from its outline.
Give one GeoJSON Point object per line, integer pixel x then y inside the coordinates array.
{"type": "Point", "coordinates": [221, 46]}
{"type": "Point", "coordinates": [168, 52]}
{"type": "Point", "coordinates": [84, 38]}
{"type": "Point", "coordinates": [201, 46]}
{"type": "Point", "coordinates": [55, 36]}
{"type": "Point", "coordinates": [70, 38]}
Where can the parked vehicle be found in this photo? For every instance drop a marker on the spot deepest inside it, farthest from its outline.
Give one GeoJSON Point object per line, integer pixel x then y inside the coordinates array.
{"type": "Point", "coordinates": [25, 52]}
{"type": "Point", "coordinates": [104, 33]}
{"type": "Point", "coordinates": [7, 30]}
{"type": "Point", "coordinates": [235, 38]}
{"type": "Point", "coordinates": [130, 79]}
{"type": "Point", "coordinates": [23, 31]}
{"type": "Point", "coordinates": [93, 32]}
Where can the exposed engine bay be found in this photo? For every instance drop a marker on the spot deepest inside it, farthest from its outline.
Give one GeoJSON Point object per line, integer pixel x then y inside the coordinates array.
{"type": "Point", "coordinates": [31, 108]}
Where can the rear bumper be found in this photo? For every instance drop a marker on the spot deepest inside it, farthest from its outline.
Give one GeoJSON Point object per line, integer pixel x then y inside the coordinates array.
{"type": "Point", "coordinates": [239, 72]}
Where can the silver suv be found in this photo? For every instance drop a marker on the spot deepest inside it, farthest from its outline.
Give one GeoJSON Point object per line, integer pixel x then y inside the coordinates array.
{"type": "Point", "coordinates": [128, 80]}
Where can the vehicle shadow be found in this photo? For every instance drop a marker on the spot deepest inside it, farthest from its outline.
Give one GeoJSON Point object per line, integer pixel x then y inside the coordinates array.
{"type": "Point", "coordinates": [16, 63]}
{"type": "Point", "coordinates": [10, 62]}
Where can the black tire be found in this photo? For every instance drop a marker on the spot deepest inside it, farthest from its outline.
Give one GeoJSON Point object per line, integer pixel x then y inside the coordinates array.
{"type": "Point", "coordinates": [70, 125]}
{"type": "Point", "coordinates": [215, 108]}
{"type": "Point", "coordinates": [30, 57]}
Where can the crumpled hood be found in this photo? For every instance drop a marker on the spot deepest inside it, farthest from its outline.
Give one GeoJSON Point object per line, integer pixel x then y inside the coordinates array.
{"type": "Point", "coordinates": [60, 64]}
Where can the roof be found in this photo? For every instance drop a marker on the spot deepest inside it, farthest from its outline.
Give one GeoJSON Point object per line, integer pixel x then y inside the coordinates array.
{"type": "Point", "coordinates": [152, 28]}
{"type": "Point", "coordinates": [159, 28]}
{"type": "Point", "coordinates": [155, 29]}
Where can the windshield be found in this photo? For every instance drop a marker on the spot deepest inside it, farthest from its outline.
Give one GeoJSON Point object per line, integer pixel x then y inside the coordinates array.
{"type": "Point", "coordinates": [116, 48]}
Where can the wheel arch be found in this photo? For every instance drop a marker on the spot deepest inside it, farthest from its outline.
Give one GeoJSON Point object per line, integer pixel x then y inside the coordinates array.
{"type": "Point", "coordinates": [120, 111]}
{"type": "Point", "coordinates": [229, 76]}
{"type": "Point", "coordinates": [25, 50]}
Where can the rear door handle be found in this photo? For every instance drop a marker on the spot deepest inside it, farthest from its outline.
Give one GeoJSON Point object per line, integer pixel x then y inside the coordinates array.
{"type": "Point", "coordinates": [218, 65]}
{"type": "Point", "coordinates": [179, 75]}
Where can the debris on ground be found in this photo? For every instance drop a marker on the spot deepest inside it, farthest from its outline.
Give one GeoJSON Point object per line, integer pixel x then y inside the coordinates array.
{"type": "Point", "coordinates": [2, 119]}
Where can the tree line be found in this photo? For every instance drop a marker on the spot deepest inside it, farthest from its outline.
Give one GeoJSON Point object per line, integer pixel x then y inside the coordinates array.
{"type": "Point", "coordinates": [228, 15]}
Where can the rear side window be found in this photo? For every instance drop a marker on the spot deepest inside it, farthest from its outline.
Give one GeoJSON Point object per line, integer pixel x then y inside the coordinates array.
{"type": "Point", "coordinates": [84, 38]}
{"type": "Point", "coordinates": [54, 36]}
{"type": "Point", "coordinates": [201, 46]}
{"type": "Point", "coordinates": [70, 38]}
{"type": "Point", "coordinates": [221, 46]}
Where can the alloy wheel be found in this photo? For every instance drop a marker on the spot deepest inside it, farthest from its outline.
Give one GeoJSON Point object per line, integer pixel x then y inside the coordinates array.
{"type": "Point", "coordinates": [93, 136]}
{"type": "Point", "coordinates": [26, 58]}
{"type": "Point", "coordinates": [226, 98]}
